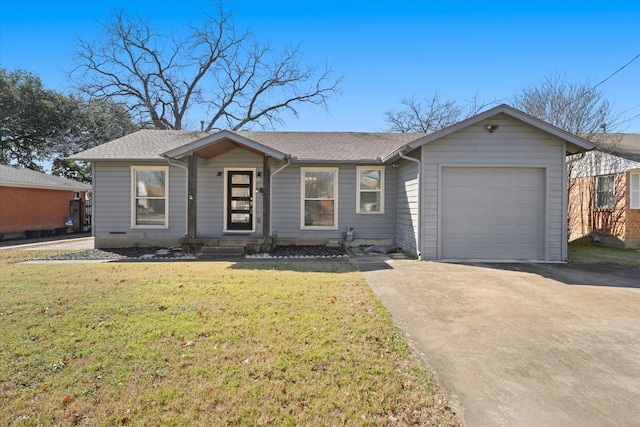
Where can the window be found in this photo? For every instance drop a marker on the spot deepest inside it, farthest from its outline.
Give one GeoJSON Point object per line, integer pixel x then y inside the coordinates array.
{"type": "Point", "coordinates": [149, 196]}
{"type": "Point", "coordinates": [634, 190]}
{"type": "Point", "coordinates": [319, 198]}
{"type": "Point", "coordinates": [370, 194]}
{"type": "Point", "coordinates": [605, 192]}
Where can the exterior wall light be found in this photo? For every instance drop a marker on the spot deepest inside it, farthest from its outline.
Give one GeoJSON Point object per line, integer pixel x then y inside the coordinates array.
{"type": "Point", "coordinates": [491, 128]}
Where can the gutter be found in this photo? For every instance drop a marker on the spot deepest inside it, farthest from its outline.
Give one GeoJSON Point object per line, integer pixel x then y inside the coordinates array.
{"type": "Point", "coordinates": [377, 160]}
{"type": "Point", "coordinates": [419, 237]}
{"type": "Point", "coordinates": [274, 173]}
{"type": "Point", "coordinates": [580, 157]}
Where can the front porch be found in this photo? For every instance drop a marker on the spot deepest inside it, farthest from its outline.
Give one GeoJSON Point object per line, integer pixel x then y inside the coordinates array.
{"type": "Point", "coordinates": [250, 245]}
{"type": "Point", "coordinates": [253, 245]}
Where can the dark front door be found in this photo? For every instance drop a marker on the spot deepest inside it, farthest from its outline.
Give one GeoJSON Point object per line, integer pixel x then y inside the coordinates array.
{"type": "Point", "coordinates": [240, 200]}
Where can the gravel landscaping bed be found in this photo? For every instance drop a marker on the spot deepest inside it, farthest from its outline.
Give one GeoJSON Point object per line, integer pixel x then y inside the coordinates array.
{"type": "Point", "coordinates": [119, 254]}
{"type": "Point", "coordinates": [175, 253]}
{"type": "Point", "coordinates": [308, 251]}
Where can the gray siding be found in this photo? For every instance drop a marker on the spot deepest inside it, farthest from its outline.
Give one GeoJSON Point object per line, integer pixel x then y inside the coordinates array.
{"type": "Point", "coordinates": [112, 202]}
{"type": "Point", "coordinates": [407, 206]}
{"type": "Point", "coordinates": [211, 190]}
{"type": "Point", "coordinates": [514, 144]}
{"type": "Point", "coordinates": [286, 199]}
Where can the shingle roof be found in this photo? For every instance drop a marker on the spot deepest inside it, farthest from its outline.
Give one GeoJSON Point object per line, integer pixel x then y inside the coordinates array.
{"type": "Point", "coordinates": [309, 146]}
{"type": "Point", "coordinates": [628, 146]}
{"type": "Point", "coordinates": [302, 146]}
{"type": "Point", "coordinates": [333, 146]}
{"type": "Point", "coordinates": [146, 144]}
{"type": "Point", "coordinates": [13, 176]}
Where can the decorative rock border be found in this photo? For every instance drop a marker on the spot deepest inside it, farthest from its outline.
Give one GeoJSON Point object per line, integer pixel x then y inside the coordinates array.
{"type": "Point", "coordinates": [267, 256]}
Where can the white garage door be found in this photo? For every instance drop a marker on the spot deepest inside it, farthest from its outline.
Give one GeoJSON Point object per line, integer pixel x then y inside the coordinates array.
{"type": "Point", "coordinates": [492, 213]}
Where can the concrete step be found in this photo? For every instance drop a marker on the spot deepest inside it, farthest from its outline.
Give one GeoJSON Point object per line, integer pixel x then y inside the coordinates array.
{"type": "Point", "coordinates": [221, 252]}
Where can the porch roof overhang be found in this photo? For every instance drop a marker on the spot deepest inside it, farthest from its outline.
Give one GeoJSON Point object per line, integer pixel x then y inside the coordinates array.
{"type": "Point", "coordinates": [219, 143]}
{"type": "Point", "coordinates": [574, 144]}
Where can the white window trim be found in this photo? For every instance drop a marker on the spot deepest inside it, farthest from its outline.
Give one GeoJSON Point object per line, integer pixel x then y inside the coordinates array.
{"type": "Point", "coordinates": [133, 198]}
{"type": "Point", "coordinates": [303, 199]}
{"type": "Point", "coordinates": [634, 191]}
{"type": "Point", "coordinates": [225, 210]}
{"type": "Point", "coordinates": [604, 208]}
{"type": "Point", "coordinates": [359, 191]}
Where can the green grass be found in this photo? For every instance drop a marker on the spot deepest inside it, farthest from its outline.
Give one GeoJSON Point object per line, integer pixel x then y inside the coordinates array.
{"type": "Point", "coordinates": [203, 344]}
{"type": "Point", "coordinates": [592, 254]}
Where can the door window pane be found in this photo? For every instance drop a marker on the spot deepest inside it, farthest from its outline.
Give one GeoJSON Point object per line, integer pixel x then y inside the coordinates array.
{"type": "Point", "coordinates": [240, 179]}
{"type": "Point", "coordinates": [240, 218]}
{"type": "Point", "coordinates": [240, 192]}
{"type": "Point", "coordinates": [240, 205]}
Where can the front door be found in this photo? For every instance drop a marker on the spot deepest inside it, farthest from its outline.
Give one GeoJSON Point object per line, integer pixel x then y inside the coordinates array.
{"type": "Point", "coordinates": [239, 200]}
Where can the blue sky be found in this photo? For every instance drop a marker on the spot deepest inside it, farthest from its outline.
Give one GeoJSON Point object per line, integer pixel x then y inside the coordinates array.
{"type": "Point", "coordinates": [386, 50]}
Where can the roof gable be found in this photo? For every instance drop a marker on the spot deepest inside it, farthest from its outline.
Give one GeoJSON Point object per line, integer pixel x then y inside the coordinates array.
{"type": "Point", "coordinates": [201, 145]}
{"type": "Point", "coordinates": [575, 143]}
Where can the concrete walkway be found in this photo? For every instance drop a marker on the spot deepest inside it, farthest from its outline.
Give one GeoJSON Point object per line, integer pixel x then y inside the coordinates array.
{"type": "Point", "coordinates": [68, 242]}
{"type": "Point", "coordinates": [521, 344]}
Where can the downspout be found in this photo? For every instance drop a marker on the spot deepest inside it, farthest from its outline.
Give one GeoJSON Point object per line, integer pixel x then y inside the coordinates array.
{"type": "Point", "coordinates": [186, 191]}
{"type": "Point", "coordinates": [271, 188]}
{"type": "Point", "coordinates": [419, 243]}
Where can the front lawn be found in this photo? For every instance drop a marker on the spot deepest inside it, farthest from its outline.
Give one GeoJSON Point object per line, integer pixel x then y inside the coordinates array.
{"type": "Point", "coordinates": [204, 344]}
{"type": "Point", "coordinates": [592, 254]}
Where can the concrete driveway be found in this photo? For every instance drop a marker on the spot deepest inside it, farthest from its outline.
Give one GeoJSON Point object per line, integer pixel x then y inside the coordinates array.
{"type": "Point", "coordinates": [522, 344]}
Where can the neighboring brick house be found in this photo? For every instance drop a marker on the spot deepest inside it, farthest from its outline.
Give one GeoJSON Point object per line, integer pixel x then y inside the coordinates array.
{"type": "Point", "coordinates": [604, 193]}
{"type": "Point", "coordinates": [34, 201]}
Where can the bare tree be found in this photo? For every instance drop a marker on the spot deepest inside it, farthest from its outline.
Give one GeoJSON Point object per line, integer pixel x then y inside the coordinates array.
{"type": "Point", "coordinates": [583, 110]}
{"type": "Point", "coordinates": [234, 79]}
{"type": "Point", "coordinates": [429, 115]}
{"type": "Point", "coordinates": [578, 108]}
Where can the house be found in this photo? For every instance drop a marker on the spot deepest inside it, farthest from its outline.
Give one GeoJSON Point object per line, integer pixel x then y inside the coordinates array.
{"type": "Point", "coordinates": [490, 187]}
{"type": "Point", "coordinates": [35, 202]}
{"type": "Point", "coordinates": [604, 193]}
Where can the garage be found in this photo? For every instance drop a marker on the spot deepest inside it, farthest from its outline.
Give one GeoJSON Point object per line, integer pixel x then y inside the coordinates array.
{"type": "Point", "coordinates": [493, 213]}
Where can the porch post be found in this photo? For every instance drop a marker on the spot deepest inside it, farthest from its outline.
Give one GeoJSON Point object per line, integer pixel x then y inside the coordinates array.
{"type": "Point", "coordinates": [192, 196]}
{"type": "Point", "coordinates": [266, 196]}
